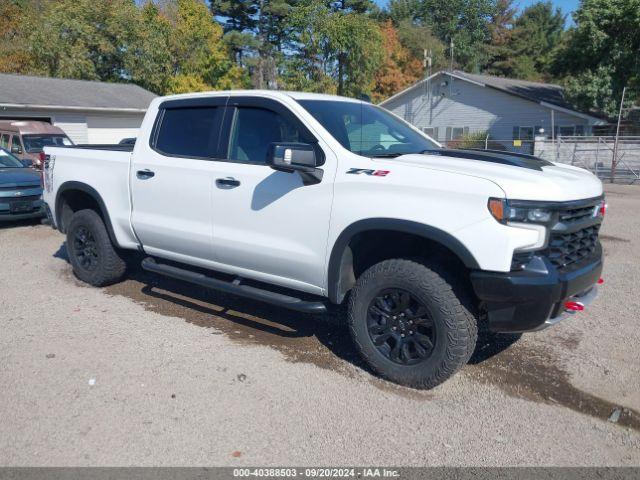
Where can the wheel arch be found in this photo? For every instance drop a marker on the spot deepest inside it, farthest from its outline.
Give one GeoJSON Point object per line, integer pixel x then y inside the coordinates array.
{"type": "Point", "coordinates": [341, 276]}
{"type": "Point", "coordinates": [77, 196]}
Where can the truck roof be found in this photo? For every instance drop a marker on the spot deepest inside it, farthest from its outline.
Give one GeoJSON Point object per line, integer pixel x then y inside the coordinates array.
{"type": "Point", "coordinates": [264, 93]}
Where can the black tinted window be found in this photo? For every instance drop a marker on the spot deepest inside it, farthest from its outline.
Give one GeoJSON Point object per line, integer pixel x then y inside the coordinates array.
{"type": "Point", "coordinates": [254, 129]}
{"type": "Point", "coordinates": [190, 132]}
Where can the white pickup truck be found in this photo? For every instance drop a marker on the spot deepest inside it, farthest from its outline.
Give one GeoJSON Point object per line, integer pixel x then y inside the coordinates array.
{"type": "Point", "coordinates": [336, 200]}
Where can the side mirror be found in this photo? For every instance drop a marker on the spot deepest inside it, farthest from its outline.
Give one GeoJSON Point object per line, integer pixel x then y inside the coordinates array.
{"type": "Point", "coordinates": [295, 157]}
{"type": "Point", "coordinates": [27, 162]}
{"type": "Point", "coordinates": [16, 149]}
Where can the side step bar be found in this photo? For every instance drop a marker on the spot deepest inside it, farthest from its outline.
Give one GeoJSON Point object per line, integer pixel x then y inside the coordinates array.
{"type": "Point", "coordinates": [235, 287]}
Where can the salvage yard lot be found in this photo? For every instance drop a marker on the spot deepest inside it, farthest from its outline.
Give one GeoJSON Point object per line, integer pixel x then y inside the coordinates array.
{"type": "Point", "coordinates": [153, 372]}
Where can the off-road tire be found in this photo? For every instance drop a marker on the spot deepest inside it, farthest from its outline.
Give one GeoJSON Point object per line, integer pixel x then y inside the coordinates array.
{"type": "Point", "coordinates": [109, 264]}
{"type": "Point", "coordinates": [455, 324]}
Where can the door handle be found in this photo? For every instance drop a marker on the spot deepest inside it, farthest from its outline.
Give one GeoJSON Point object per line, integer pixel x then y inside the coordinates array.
{"type": "Point", "coordinates": [144, 174]}
{"type": "Point", "coordinates": [228, 182]}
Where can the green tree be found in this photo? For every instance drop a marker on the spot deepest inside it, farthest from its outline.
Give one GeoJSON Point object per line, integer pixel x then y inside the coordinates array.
{"type": "Point", "coordinates": [257, 32]}
{"type": "Point", "coordinates": [527, 51]}
{"type": "Point", "coordinates": [465, 22]}
{"type": "Point", "coordinates": [601, 54]}
{"type": "Point", "coordinates": [201, 58]}
{"type": "Point", "coordinates": [84, 39]}
{"type": "Point", "coordinates": [501, 30]}
{"type": "Point", "coordinates": [335, 50]}
{"type": "Point", "coordinates": [149, 62]}
{"type": "Point", "coordinates": [15, 27]}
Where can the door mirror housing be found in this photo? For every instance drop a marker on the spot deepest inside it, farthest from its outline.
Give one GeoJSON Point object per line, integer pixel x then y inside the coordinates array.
{"type": "Point", "coordinates": [291, 156]}
{"type": "Point", "coordinates": [295, 157]}
{"type": "Point", "coordinates": [16, 149]}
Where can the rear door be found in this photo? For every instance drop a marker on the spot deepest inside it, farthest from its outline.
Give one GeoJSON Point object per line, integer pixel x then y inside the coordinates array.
{"type": "Point", "coordinates": [172, 179]}
{"type": "Point", "coordinates": [268, 224]}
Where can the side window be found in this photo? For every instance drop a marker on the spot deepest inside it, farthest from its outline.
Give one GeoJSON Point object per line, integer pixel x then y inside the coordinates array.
{"type": "Point", "coordinates": [252, 131]}
{"type": "Point", "coordinates": [4, 140]}
{"type": "Point", "coordinates": [189, 132]}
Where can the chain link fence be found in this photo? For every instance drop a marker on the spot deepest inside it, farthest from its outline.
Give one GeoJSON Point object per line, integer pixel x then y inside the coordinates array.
{"type": "Point", "coordinates": [598, 154]}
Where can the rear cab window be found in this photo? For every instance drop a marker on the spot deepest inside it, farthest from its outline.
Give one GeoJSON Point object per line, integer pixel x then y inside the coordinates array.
{"type": "Point", "coordinates": [189, 131]}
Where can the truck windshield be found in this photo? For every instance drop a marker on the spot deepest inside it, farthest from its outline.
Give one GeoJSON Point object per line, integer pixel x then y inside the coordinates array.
{"type": "Point", "coordinates": [9, 161]}
{"type": "Point", "coordinates": [36, 143]}
{"type": "Point", "coordinates": [366, 129]}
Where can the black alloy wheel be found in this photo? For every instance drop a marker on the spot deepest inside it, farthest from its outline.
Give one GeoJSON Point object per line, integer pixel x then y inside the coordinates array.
{"type": "Point", "coordinates": [85, 248]}
{"type": "Point", "coordinates": [401, 327]}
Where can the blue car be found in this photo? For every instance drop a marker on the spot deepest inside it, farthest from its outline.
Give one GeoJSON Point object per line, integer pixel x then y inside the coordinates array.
{"type": "Point", "coordinates": [20, 189]}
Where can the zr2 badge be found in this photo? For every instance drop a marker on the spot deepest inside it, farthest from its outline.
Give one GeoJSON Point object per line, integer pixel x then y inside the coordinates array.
{"type": "Point", "coordinates": [374, 173]}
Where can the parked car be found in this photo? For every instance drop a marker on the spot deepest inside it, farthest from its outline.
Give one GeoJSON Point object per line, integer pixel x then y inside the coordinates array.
{"type": "Point", "coordinates": [26, 138]}
{"type": "Point", "coordinates": [337, 200]}
{"type": "Point", "coordinates": [20, 189]}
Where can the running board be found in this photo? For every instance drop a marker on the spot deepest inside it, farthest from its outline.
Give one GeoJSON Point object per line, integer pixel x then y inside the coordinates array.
{"type": "Point", "coordinates": [235, 287]}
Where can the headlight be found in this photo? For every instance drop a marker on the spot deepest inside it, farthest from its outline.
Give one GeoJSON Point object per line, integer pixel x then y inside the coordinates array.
{"type": "Point", "coordinates": [505, 213]}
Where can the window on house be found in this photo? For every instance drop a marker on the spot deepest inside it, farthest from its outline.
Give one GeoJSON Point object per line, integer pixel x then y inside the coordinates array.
{"type": "Point", "coordinates": [567, 131]}
{"type": "Point", "coordinates": [456, 133]}
{"type": "Point", "coordinates": [431, 131]}
{"type": "Point", "coordinates": [523, 133]}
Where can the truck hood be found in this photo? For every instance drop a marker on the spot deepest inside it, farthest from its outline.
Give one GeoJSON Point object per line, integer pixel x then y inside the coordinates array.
{"type": "Point", "coordinates": [19, 177]}
{"type": "Point", "coordinates": [521, 177]}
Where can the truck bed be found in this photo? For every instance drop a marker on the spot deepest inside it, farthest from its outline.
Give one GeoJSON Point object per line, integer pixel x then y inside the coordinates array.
{"type": "Point", "coordinates": [104, 146]}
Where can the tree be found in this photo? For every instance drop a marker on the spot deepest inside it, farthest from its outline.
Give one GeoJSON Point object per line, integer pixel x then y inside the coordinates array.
{"type": "Point", "coordinates": [399, 68]}
{"type": "Point", "coordinates": [149, 62]}
{"type": "Point", "coordinates": [465, 22]}
{"type": "Point", "coordinates": [15, 22]}
{"type": "Point", "coordinates": [84, 39]}
{"type": "Point", "coordinates": [257, 32]}
{"type": "Point", "coordinates": [527, 50]}
{"type": "Point", "coordinates": [334, 50]}
{"type": "Point", "coordinates": [201, 59]}
{"type": "Point", "coordinates": [500, 30]}
{"type": "Point", "coordinates": [601, 54]}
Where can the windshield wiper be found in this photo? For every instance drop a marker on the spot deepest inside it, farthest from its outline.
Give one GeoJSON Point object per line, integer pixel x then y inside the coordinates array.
{"type": "Point", "coordinates": [386, 155]}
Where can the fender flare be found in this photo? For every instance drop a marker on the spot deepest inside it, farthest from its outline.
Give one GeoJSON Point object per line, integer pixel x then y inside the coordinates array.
{"type": "Point", "coordinates": [336, 291]}
{"type": "Point", "coordinates": [93, 193]}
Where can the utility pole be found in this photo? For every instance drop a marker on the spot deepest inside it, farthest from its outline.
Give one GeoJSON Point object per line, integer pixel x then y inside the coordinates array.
{"type": "Point", "coordinates": [426, 64]}
{"type": "Point", "coordinates": [451, 68]}
{"type": "Point", "coordinates": [614, 160]}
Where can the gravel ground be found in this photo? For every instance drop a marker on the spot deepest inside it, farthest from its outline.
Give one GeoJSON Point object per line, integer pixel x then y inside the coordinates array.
{"type": "Point", "coordinates": [152, 372]}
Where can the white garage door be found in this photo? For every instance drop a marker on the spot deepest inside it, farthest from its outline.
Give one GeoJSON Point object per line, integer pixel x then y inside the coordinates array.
{"type": "Point", "coordinates": [111, 129]}
{"type": "Point", "coordinates": [75, 126]}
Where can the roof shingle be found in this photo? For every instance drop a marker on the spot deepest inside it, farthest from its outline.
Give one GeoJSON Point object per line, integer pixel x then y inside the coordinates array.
{"type": "Point", "coordinates": [29, 90]}
{"type": "Point", "coordinates": [535, 91]}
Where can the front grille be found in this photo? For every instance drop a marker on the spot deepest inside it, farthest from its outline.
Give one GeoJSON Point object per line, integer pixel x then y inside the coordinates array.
{"type": "Point", "coordinates": [30, 198]}
{"type": "Point", "coordinates": [575, 215]}
{"type": "Point", "coordinates": [4, 188]}
{"type": "Point", "coordinates": [568, 248]}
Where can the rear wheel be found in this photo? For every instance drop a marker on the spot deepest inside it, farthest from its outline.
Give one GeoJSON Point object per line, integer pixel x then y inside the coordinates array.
{"type": "Point", "coordinates": [409, 325]}
{"type": "Point", "coordinates": [92, 255]}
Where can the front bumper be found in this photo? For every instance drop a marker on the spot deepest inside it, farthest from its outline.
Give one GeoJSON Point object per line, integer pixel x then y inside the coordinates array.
{"type": "Point", "coordinates": [37, 210]}
{"type": "Point", "coordinates": [534, 298]}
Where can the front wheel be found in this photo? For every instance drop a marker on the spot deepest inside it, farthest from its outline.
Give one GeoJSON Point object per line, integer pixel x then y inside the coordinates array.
{"type": "Point", "coordinates": [92, 255]}
{"type": "Point", "coordinates": [409, 325]}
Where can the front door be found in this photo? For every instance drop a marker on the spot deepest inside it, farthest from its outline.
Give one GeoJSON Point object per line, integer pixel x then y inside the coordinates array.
{"type": "Point", "coordinates": [172, 180]}
{"type": "Point", "coordinates": [268, 224]}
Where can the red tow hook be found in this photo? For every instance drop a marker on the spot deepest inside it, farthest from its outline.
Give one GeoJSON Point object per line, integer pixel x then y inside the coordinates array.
{"type": "Point", "coordinates": [574, 306]}
{"type": "Point", "coordinates": [600, 281]}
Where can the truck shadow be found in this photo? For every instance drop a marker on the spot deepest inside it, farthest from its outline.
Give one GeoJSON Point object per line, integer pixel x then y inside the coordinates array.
{"type": "Point", "coordinates": [520, 371]}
